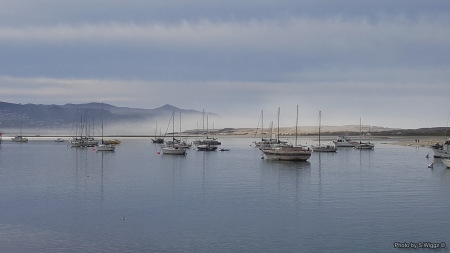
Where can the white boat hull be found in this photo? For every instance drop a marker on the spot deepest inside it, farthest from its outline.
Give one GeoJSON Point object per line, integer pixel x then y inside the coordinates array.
{"type": "Point", "coordinates": [364, 145]}
{"type": "Point", "coordinates": [446, 162]}
{"type": "Point", "coordinates": [19, 139]}
{"type": "Point", "coordinates": [74, 144]}
{"type": "Point", "coordinates": [287, 154]}
{"type": "Point", "coordinates": [173, 151]}
{"type": "Point", "coordinates": [324, 149]}
{"type": "Point", "coordinates": [105, 147]}
{"type": "Point", "coordinates": [441, 153]}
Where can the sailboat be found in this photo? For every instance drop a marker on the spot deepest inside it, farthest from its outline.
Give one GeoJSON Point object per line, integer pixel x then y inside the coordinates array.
{"type": "Point", "coordinates": [264, 142]}
{"type": "Point", "coordinates": [285, 152]}
{"type": "Point", "coordinates": [183, 143]}
{"type": "Point", "coordinates": [323, 148]}
{"type": "Point", "coordinates": [103, 146]}
{"type": "Point", "coordinates": [83, 140]}
{"type": "Point", "coordinates": [19, 138]}
{"type": "Point", "coordinates": [158, 140]}
{"type": "Point", "coordinates": [363, 145]}
{"type": "Point", "coordinates": [58, 139]}
{"type": "Point", "coordinates": [210, 143]}
{"type": "Point", "coordinates": [172, 149]}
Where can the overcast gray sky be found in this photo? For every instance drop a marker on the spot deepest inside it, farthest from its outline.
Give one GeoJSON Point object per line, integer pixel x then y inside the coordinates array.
{"type": "Point", "coordinates": [385, 61]}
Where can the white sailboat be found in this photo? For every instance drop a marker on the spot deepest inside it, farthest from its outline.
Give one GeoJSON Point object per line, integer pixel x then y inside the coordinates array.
{"type": "Point", "coordinates": [58, 139]}
{"type": "Point", "coordinates": [363, 145]}
{"type": "Point", "coordinates": [158, 140]}
{"type": "Point", "coordinates": [172, 149]}
{"type": "Point", "coordinates": [323, 148]}
{"type": "Point", "coordinates": [19, 138]}
{"type": "Point", "coordinates": [84, 140]}
{"type": "Point", "coordinates": [442, 151]}
{"type": "Point", "coordinates": [103, 146]}
{"type": "Point", "coordinates": [264, 142]}
{"type": "Point", "coordinates": [208, 144]}
{"type": "Point", "coordinates": [285, 152]}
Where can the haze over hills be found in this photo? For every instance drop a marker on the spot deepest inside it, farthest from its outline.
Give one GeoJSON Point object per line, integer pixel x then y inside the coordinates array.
{"type": "Point", "coordinates": [64, 119]}
{"type": "Point", "coordinates": [47, 119]}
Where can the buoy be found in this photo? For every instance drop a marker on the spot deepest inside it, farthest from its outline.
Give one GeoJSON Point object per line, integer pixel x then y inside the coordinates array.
{"type": "Point", "coordinates": [431, 165]}
{"type": "Point", "coordinates": [158, 153]}
{"type": "Point", "coordinates": [262, 157]}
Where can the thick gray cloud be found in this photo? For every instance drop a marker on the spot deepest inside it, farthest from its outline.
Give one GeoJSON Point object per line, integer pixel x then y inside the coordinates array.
{"type": "Point", "coordinates": [48, 12]}
{"type": "Point", "coordinates": [387, 61]}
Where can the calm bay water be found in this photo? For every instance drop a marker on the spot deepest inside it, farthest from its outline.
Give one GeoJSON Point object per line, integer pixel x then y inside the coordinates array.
{"type": "Point", "coordinates": [59, 199]}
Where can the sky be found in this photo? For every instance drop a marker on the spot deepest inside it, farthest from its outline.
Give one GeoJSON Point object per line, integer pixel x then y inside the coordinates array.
{"type": "Point", "coordinates": [387, 62]}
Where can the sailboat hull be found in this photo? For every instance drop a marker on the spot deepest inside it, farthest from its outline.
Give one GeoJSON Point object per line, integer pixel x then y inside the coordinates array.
{"type": "Point", "coordinates": [173, 151]}
{"type": "Point", "coordinates": [446, 162]}
{"type": "Point", "coordinates": [287, 154]}
{"type": "Point", "coordinates": [105, 147]}
{"type": "Point", "coordinates": [19, 139]}
{"type": "Point", "coordinates": [324, 149]}
{"type": "Point", "coordinates": [364, 146]}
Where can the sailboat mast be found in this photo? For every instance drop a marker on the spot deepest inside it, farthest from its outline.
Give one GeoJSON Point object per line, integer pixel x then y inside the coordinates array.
{"type": "Point", "coordinates": [180, 126]}
{"type": "Point", "coordinates": [320, 123]}
{"type": "Point", "coordinates": [102, 123]}
{"type": "Point", "coordinates": [86, 123]}
{"type": "Point", "coordinates": [448, 118]}
{"type": "Point", "coordinates": [262, 125]}
{"type": "Point", "coordinates": [81, 125]}
{"type": "Point", "coordinates": [278, 137]}
{"type": "Point", "coordinates": [296, 124]}
{"type": "Point", "coordinates": [76, 124]}
{"type": "Point", "coordinates": [271, 130]}
{"type": "Point", "coordinates": [173, 127]}
{"type": "Point", "coordinates": [360, 132]}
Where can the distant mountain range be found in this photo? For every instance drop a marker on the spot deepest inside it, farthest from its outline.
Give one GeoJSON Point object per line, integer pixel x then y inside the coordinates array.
{"type": "Point", "coordinates": [36, 118]}
{"type": "Point", "coordinates": [64, 119]}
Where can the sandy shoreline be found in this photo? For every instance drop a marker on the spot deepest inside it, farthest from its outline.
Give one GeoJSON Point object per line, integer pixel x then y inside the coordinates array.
{"type": "Point", "coordinates": [420, 141]}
